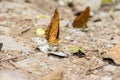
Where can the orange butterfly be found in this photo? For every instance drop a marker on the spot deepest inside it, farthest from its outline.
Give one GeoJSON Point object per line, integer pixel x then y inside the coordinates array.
{"type": "Point", "coordinates": [81, 20]}
{"type": "Point", "coordinates": [52, 31]}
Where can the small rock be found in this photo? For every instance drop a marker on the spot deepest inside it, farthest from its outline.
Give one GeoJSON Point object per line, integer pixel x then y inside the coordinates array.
{"type": "Point", "coordinates": [58, 54]}
{"type": "Point", "coordinates": [68, 37]}
{"type": "Point", "coordinates": [110, 68]}
{"type": "Point", "coordinates": [10, 43]}
{"type": "Point", "coordinates": [106, 78]}
{"type": "Point", "coordinates": [44, 48]}
{"type": "Point", "coordinates": [61, 2]}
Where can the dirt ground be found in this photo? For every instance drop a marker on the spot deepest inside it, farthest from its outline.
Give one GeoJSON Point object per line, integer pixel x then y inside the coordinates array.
{"type": "Point", "coordinates": [24, 54]}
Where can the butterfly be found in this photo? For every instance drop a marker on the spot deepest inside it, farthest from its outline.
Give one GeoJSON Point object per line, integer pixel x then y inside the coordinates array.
{"type": "Point", "coordinates": [52, 31]}
{"type": "Point", "coordinates": [81, 20]}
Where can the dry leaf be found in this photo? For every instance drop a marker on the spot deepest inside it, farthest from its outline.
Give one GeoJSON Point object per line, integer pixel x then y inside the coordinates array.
{"type": "Point", "coordinates": [57, 75]}
{"type": "Point", "coordinates": [114, 54]}
{"type": "Point", "coordinates": [81, 20]}
{"type": "Point", "coordinates": [52, 32]}
{"type": "Point", "coordinates": [73, 49]}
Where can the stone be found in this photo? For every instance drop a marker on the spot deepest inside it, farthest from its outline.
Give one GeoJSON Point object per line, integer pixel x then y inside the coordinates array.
{"type": "Point", "coordinates": [9, 43]}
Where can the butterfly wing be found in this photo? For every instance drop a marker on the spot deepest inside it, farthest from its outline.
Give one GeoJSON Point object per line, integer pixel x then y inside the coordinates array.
{"type": "Point", "coordinates": [52, 31]}
{"type": "Point", "coordinates": [81, 20]}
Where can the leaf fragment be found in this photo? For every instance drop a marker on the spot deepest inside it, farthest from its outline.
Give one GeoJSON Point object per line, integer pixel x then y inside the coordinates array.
{"type": "Point", "coordinates": [40, 31]}
{"type": "Point", "coordinates": [114, 54]}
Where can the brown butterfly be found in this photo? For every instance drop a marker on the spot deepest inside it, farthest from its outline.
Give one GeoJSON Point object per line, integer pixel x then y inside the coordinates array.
{"type": "Point", "coordinates": [52, 31]}
{"type": "Point", "coordinates": [81, 20]}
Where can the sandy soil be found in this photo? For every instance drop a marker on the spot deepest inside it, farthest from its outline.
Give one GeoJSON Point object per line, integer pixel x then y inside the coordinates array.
{"type": "Point", "coordinates": [19, 21]}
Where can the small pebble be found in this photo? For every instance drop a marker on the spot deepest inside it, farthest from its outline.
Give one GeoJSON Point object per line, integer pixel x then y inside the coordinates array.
{"type": "Point", "coordinates": [68, 37]}
{"type": "Point", "coordinates": [106, 78]}
{"type": "Point", "coordinates": [61, 2]}
{"type": "Point", "coordinates": [58, 54]}
{"type": "Point", "coordinates": [110, 68]}
{"type": "Point", "coordinates": [43, 48]}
